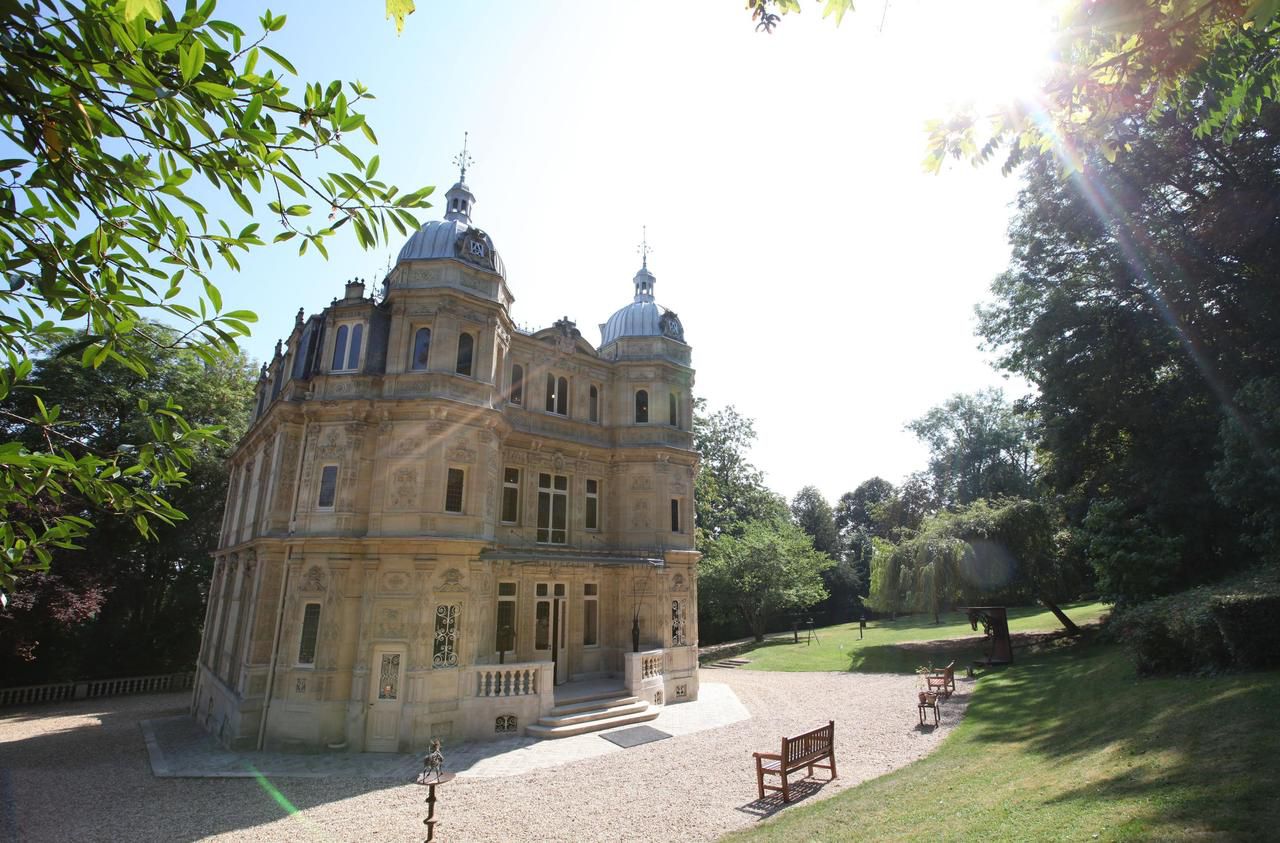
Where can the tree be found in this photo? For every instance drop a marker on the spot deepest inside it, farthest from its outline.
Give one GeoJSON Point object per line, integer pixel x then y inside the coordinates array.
{"type": "Point", "coordinates": [1140, 300]}
{"type": "Point", "coordinates": [843, 582]}
{"type": "Point", "coordinates": [109, 109]}
{"type": "Point", "coordinates": [135, 604]}
{"type": "Point", "coordinates": [770, 569]}
{"type": "Point", "coordinates": [980, 446]}
{"type": "Point", "coordinates": [853, 510]}
{"type": "Point", "coordinates": [730, 491]}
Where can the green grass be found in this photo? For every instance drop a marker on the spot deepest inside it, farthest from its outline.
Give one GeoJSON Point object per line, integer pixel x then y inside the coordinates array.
{"type": "Point", "coordinates": [1069, 745]}
{"type": "Point", "coordinates": [838, 647]}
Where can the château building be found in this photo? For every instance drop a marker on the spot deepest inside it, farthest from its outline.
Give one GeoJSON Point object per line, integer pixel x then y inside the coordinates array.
{"type": "Point", "coordinates": [441, 525]}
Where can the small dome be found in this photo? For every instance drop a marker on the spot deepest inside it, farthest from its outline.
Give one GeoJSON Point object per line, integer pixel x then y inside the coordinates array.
{"type": "Point", "coordinates": [642, 318]}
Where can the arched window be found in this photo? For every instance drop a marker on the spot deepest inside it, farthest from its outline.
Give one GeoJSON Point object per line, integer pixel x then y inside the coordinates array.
{"type": "Point", "coordinates": [340, 349]}
{"type": "Point", "coordinates": [674, 410]}
{"type": "Point", "coordinates": [466, 347]}
{"type": "Point", "coordinates": [421, 347]}
{"type": "Point", "coordinates": [593, 404]}
{"type": "Point", "coordinates": [562, 397]}
{"type": "Point", "coordinates": [551, 393]}
{"type": "Point", "coordinates": [517, 384]}
{"type": "Point", "coordinates": [642, 406]}
{"type": "Point", "coordinates": [353, 354]}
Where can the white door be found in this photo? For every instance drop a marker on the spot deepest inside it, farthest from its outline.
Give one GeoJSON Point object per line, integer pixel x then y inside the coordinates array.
{"type": "Point", "coordinates": [386, 692]}
{"type": "Point", "coordinates": [560, 655]}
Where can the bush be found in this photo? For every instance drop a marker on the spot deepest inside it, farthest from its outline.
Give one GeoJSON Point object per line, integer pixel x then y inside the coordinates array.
{"type": "Point", "coordinates": [1250, 628]}
{"type": "Point", "coordinates": [1228, 624]}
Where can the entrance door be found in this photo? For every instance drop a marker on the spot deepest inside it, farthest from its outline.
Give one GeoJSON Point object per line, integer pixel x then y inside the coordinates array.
{"type": "Point", "coordinates": [551, 621]}
{"type": "Point", "coordinates": [386, 692]}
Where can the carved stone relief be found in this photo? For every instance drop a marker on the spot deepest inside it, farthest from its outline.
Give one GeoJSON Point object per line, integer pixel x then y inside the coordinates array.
{"type": "Point", "coordinates": [640, 515]}
{"type": "Point", "coordinates": [451, 580]}
{"type": "Point", "coordinates": [395, 581]}
{"type": "Point", "coordinates": [313, 581]}
{"type": "Point", "coordinates": [641, 483]}
{"type": "Point", "coordinates": [404, 488]}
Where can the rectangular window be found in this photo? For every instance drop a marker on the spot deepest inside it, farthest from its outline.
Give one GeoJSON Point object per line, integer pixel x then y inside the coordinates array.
{"type": "Point", "coordinates": [505, 630]}
{"type": "Point", "coordinates": [444, 650]}
{"type": "Point", "coordinates": [592, 519]}
{"type": "Point", "coordinates": [453, 491]}
{"type": "Point", "coordinates": [590, 614]}
{"type": "Point", "coordinates": [675, 515]}
{"type": "Point", "coordinates": [328, 487]}
{"type": "Point", "coordinates": [310, 633]}
{"type": "Point", "coordinates": [553, 509]}
{"type": "Point", "coordinates": [510, 495]}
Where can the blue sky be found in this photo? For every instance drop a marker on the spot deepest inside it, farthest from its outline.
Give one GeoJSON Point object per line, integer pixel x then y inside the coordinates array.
{"type": "Point", "coordinates": [825, 282]}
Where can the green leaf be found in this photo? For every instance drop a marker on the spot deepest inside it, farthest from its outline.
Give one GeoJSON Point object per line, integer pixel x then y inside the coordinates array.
{"type": "Point", "coordinates": [149, 9]}
{"type": "Point", "coordinates": [213, 89]}
{"type": "Point", "coordinates": [215, 298]}
{"type": "Point", "coordinates": [279, 59]}
{"type": "Point", "coordinates": [399, 9]}
{"type": "Point", "coordinates": [192, 61]}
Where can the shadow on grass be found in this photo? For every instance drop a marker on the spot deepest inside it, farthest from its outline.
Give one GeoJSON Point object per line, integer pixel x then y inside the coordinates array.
{"type": "Point", "coordinates": [1201, 751]}
{"type": "Point", "coordinates": [895, 658]}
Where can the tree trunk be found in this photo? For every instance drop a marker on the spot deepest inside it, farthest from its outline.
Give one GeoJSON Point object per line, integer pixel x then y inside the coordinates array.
{"type": "Point", "coordinates": [1066, 622]}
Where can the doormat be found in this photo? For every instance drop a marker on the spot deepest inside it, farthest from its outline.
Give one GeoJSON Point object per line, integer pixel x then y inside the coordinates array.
{"type": "Point", "coordinates": [636, 735]}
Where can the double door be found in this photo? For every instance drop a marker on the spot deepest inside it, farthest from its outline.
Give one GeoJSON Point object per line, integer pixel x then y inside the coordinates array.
{"type": "Point", "coordinates": [551, 626]}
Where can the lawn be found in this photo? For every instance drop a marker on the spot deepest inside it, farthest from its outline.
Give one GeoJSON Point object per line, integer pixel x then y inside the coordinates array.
{"type": "Point", "coordinates": [839, 648]}
{"type": "Point", "coordinates": [1069, 745]}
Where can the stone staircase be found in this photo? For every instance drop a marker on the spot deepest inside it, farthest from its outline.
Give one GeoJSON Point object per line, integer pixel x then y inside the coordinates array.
{"type": "Point", "coordinates": [728, 664]}
{"type": "Point", "coordinates": [592, 712]}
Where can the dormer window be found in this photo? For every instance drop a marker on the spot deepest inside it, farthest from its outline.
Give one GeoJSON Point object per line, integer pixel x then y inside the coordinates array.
{"type": "Point", "coordinates": [346, 347]}
{"type": "Point", "coordinates": [466, 350]}
{"type": "Point", "coordinates": [593, 404]}
{"type": "Point", "coordinates": [642, 406]}
{"type": "Point", "coordinates": [421, 349]}
{"type": "Point", "coordinates": [673, 410]}
{"type": "Point", "coordinates": [517, 384]}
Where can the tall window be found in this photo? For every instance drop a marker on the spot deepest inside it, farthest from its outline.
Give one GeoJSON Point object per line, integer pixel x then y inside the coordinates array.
{"type": "Point", "coordinates": [593, 404]}
{"type": "Point", "coordinates": [557, 395]}
{"type": "Point", "coordinates": [553, 509]}
{"type": "Point", "coordinates": [328, 487]}
{"type": "Point", "coordinates": [346, 347]}
{"type": "Point", "coordinates": [421, 348]}
{"type": "Point", "coordinates": [674, 409]}
{"type": "Point", "coordinates": [510, 495]}
{"type": "Point", "coordinates": [517, 384]}
{"type": "Point", "coordinates": [310, 632]}
{"type": "Point", "coordinates": [444, 650]}
{"type": "Point", "coordinates": [505, 630]}
{"type": "Point", "coordinates": [590, 614]}
{"type": "Point", "coordinates": [675, 515]}
{"type": "Point", "coordinates": [453, 490]}
{"type": "Point", "coordinates": [592, 519]}
{"type": "Point", "coordinates": [466, 350]}
{"type": "Point", "coordinates": [642, 406]}
{"type": "Point", "coordinates": [542, 618]}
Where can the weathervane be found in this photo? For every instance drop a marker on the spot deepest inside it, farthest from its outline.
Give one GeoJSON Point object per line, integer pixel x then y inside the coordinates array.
{"type": "Point", "coordinates": [644, 248]}
{"type": "Point", "coordinates": [463, 160]}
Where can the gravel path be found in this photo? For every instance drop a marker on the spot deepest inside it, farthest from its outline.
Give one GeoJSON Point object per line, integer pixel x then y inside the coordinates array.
{"type": "Point", "coordinates": [79, 772]}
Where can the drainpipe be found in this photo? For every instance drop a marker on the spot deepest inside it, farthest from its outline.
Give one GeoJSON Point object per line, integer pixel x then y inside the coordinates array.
{"type": "Point", "coordinates": [275, 655]}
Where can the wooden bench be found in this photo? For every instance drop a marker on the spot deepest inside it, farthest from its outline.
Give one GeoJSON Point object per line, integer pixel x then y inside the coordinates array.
{"type": "Point", "coordinates": [800, 751]}
{"type": "Point", "coordinates": [943, 680]}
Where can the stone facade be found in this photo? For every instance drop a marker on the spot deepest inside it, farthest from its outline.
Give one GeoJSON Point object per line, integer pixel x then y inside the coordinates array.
{"type": "Point", "coordinates": [436, 518]}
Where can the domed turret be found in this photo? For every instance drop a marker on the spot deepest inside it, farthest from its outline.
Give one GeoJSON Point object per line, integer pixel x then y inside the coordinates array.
{"type": "Point", "coordinates": [643, 317]}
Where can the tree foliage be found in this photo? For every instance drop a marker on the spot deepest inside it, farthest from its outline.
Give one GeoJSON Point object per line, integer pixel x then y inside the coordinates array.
{"type": "Point", "coordinates": [1122, 64]}
{"type": "Point", "coordinates": [124, 604]}
{"type": "Point", "coordinates": [112, 112]}
{"type": "Point", "coordinates": [980, 446]}
{"type": "Point", "coordinates": [1141, 302]}
{"type": "Point", "coordinates": [767, 570]}
{"type": "Point", "coordinates": [730, 491]}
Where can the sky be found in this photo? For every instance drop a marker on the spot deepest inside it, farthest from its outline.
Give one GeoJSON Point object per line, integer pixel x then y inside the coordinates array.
{"type": "Point", "coordinates": [826, 283]}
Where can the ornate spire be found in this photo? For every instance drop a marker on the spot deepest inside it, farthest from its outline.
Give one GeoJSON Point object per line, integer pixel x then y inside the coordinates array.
{"type": "Point", "coordinates": [644, 279]}
{"type": "Point", "coordinates": [463, 159]}
{"type": "Point", "coordinates": [460, 198]}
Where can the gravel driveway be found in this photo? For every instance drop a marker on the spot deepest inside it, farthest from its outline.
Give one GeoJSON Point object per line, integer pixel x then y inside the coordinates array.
{"type": "Point", "coordinates": [80, 772]}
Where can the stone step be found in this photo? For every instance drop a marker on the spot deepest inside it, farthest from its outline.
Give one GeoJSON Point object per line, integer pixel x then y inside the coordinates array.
{"type": "Point", "coordinates": [577, 706]}
{"type": "Point", "coordinates": [564, 699]}
{"type": "Point", "coordinates": [602, 712]}
{"type": "Point", "coordinates": [537, 730]}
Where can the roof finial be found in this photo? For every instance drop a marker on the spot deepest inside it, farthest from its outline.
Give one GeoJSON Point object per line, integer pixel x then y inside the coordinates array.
{"type": "Point", "coordinates": [463, 160]}
{"type": "Point", "coordinates": [644, 248]}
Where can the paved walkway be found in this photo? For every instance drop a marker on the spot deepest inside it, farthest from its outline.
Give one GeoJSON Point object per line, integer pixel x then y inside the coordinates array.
{"type": "Point", "coordinates": [81, 771]}
{"type": "Point", "coordinates": [179, 748]}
